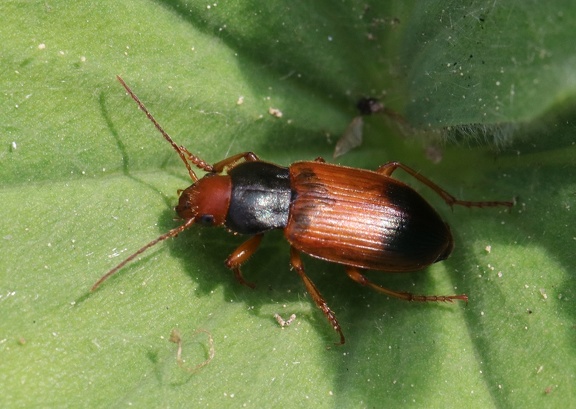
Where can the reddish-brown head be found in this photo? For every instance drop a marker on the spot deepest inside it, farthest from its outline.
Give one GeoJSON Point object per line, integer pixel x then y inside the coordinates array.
{"type": "Point", "coordinates": [207, 200]}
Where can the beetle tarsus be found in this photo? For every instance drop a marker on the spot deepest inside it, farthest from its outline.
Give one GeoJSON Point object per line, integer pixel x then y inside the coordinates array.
{"type": "Point", "coordinates": [296, 262]}
{"type": "Point", "coordinates": [355, 274]}
{"type": "Point", "coordinates": [195, 160]}
{"type": "Point", "coordinates": [436, 298]}
{"type": "Point", "coordinates": [240, 278]}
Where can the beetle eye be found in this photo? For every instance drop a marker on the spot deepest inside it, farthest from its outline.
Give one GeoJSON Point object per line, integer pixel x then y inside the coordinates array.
{"type": "Point", "coordinates": [206, 220]}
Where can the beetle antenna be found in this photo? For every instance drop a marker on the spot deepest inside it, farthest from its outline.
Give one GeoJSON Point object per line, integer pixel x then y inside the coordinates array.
{"type": "Point", "coordinates": [179, 149]}
{"type": "Point", "coordinates": [172, 233]}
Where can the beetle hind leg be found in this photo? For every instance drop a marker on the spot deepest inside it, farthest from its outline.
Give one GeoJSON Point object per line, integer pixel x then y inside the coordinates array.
{"type": "Point", "coordinates": [296, 262]}
{"type": "Point", "coordinates": [355, 274]}
{"type": "Point", "coordinates": [241, 255]}
{"type": "Point", "coordinates": [390, 167]}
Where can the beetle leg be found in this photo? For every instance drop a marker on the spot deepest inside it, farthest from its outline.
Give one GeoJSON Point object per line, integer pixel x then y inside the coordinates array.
{"type": "Point", "coordinates": [233, 160]}
{"type": "Point", "coordinates": [241, 255]}
{"type": "Point", "coordinates": [296, 262]}
{"type": "Point", "coordinates": [390, 167]}
{"type": "Point", "coordinates": [195, 160]}
{"type": "Point", "coordinates": [355, 274]}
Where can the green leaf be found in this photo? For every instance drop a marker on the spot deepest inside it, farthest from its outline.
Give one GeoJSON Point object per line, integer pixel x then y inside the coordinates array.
{"type": "Point", "coordinates": [483, 69]}
{"type": "Point", "coordinates": [86, 180]}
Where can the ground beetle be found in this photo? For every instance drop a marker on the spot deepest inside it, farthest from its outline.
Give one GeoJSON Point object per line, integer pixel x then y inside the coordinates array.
{"type": "Point", "coordinates": [358, 218]}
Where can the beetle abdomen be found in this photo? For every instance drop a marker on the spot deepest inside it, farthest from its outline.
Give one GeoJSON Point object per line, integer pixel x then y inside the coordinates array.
{"type": "Point", "coordinates": [260, 197]}
{"type": "Point", "coordinates": [364, 219]}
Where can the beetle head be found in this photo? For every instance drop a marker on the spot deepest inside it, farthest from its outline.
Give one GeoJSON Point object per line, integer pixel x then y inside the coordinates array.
{"type": "Point", "coordinates": [207, 200]}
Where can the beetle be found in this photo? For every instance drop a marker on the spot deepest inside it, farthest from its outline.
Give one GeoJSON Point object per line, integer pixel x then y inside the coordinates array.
{"type": "Point", "coordinates": [361, 219]}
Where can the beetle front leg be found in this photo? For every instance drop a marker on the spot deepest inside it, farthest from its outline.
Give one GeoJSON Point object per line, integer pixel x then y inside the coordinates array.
{"type": "Point", "coordinates": [296, 262]}
{"type": "Point", "coordinates": [233, 160]}
{"type": "Point", "coordinates": [390, 167]}
{"type": "Point", "coordinates": [241, 255]}
{"type": "Point", "coordinates": [218, 167]}
{"type": "Point", "coordinates": [355, 274]}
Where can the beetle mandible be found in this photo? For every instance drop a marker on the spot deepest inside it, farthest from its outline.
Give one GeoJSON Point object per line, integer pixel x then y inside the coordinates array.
{"type": "Point", "coordinates": [359, 218]}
